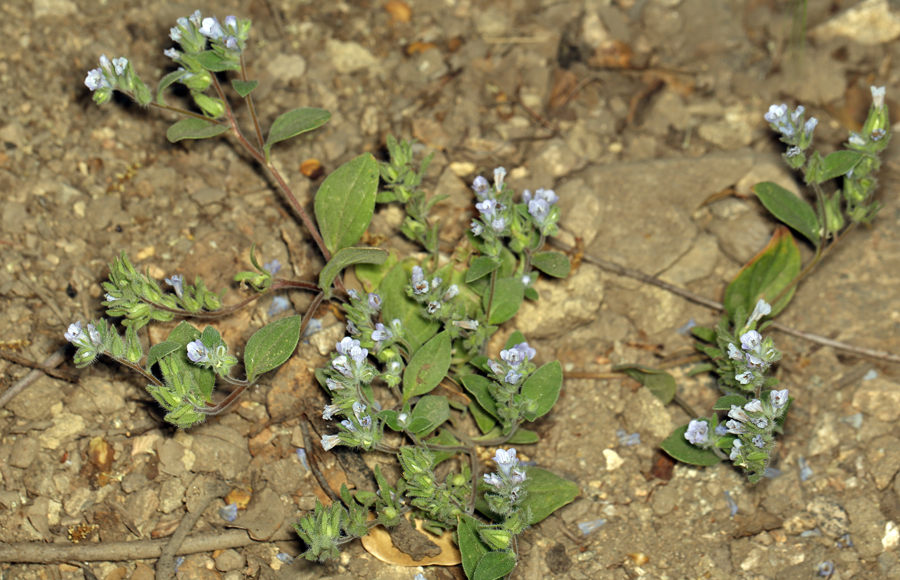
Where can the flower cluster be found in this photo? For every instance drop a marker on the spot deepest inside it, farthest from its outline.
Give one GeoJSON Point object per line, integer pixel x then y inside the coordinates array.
{"type": "Point", "coordinates": [214, 355]}
{"type": "Point", "coordinates": [100, 338]}
{"type": "Point", "coordinates": [509, 374]}
{"type": "Point", "coordinates": [794, 131]}
{"type": "Point", "coordinates": [860, 183]}
{"type": "Point", "coordinates": [527, 223]}
{"type": "Point", "coordinates": [443, 303]}
{"type": "Point", "coordinates": [346, 378]}
{"type": "Point", "coordinates": [362, 316]}
{"type": "Point", "coordinates": [505, 492]}
{"type": "Point", "coordinates": [116, 75]}
{"type": "Point", "coordinates": [753, 359]}
{"type": "Point", "coordinates": [443, 502]}
{"type": "Point", "coordinates": [754, 424]}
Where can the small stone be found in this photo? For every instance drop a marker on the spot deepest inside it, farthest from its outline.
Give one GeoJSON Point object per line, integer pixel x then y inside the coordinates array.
{"type": "Point", "coordinates": [78, 501]}
{"type": "Point", "coordinates": [171, 495]}
{"type": "Point", "coordinates": [23, 452]}
{"type": "Point", "coordinates": [613, 460]}
{"type": "Point", "coordinates": [564, 304]}
{"type": "Point", "coordinates": [287, 67]}
{"type": "Point", "coordinates": [33, 404]}
{"type": "Point", "coordinates": [878, 398]}
{"type": "Point", "coordinates": [229, 560]}
{"type": "Point", "coordinates": [349, 57]}
{"type": "Point", "coordinates": [133, 482]}
{"type": "Point", "coordinates": [867, 526]}
{"type": "Point", "coordinates": [171, 457]}
{"type": "Point", "coordinates": [870, 22]}
{"type": "Point", "coordinates": [54, 8]}
{"type": "Point", "coordinates": [831, 518]}
{"type": "Point", "coordinates": [664, 499]}
{"type": "Point", "coordinates": [65, 425]}
{"type": "Point", "coordinates": [208, 195]}
{"type": "Point", "coordinates": [220, 449]}
{"type": "Point", "coordinates": [799, 523]}
{"type": "Point", "coordinates": [883, 457]}
{"type": "Point", "coordinates": [825, 436]}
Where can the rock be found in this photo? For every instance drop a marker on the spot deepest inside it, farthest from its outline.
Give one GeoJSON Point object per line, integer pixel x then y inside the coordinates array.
{"type": "Point", "coordinates": [173, 457]}
{"type": "Point", "coordinates": [220, 449]}
{"type": "Point", "coordinates": [107, 395]}
{"type": "Point", "coordinates": [883, 457]}
{"type": "Point", "coordinates": [325, 339]}
{"type": "Point", "coordinates": [613, 460]}
{"type": "Point", "coordinates": [78, 501]}
{"type": "Point", "coordinates": [208, 195]}
{"type": "Point", "coordinates": [349, 57]}
{"type": "Point", "coordinates": [734, 130]}
{"type": "Point", "coordinates": [698, 263]}
{"type": "Point", "coordinates": [171, 495]}
{"type": "Point", "coordinates": [23, 452]}
{"type": "Point", "coordinates": [564, 305]}
{"type": "Point", "coordinates": [38, 478]}
{"type": "Point", "coordinates": [141, 505]}
{"type": "Point", "coordinates": [554, 160]}
{"type": "Point", "coordinates": [65, 425]}
{"type": "Point", "coordinates": [34, 403]}
{"type": "Point", "coordinates": [870, 22]}
{"type": "Point", "coordinates": [229, 560]}
{"type": "Point", "coordinates": [830, 516]}
{"type": "Point", "coordinates": [768, 168]}
{"type": "Point", "coordinates": [55, 8]}
{"type": "Point", "coordinates": [646, 414]}
{"type": "Point", "coordinates": [664, 499]}
{"type": "Point", "coordinates": [286, 67]}
{"type": "Point", "coordinates": [878, 398]}
{"type": "Point", "coordinates": [867, 526]}
{"type": "Point", "coordinates": [825, 437]}
{"type": "Point", "coordinates": [741, 232]}
{"type": "Point", "coordinates": [133, 482]}
{"type": "Point", "coordinates": [285, 475]}
{"type": "Point", "coordinates": [15, 215]}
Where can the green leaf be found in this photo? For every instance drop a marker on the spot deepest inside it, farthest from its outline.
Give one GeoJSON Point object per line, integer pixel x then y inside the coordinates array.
{"type": "Point", "coordinates": [347, 257]}
{"type": "Point", "coordinates": [543, 387]}
{"type": "Point", "coordinates": [345, 203]}
{"type": "Point", "coordinates": [705, 334]}
{"type": "Point", "coordinates": [551, 263]}
{"type": "Point", "coordinates": [471, 548]}
{"type": "Point", "coordinates": [271, 346]}
{"type": "Point", "coordinates": [160, 350]}
{"type": "Point", "coordinates": [194, 128]}
{"type": "Point", "coordinates": [494, 565]}
{"type": "Point", "coordinates": [443, 438]}
{"type": "Point", "coordinates": [679, 448]}
{"type": "Point", "coordinates": [427, 367]}
{"type": "Point", "coordinates": [429, 414]}
{"type": "Point", "coordinates": [167, 81]}
{"type": "Point", "coordinates": [515, 338]}
{"type": "Point", "coordinates": [396, 304]}
{"type": "Point", "coordinates": [481, 267]}
{"type": "Point", "coordinates": [789, 208]}
{"type": "Point", "coordinates": [371, 275]}
{"type": "Point", "coordinates": [479, 387]}
{"type": "Point", "coordinates": [483, 419]}
{"type": "Point", "coordinates": [244, 88]}
{"type": "Point", "coordinates": [660, 383]}
{"type": "Point", "coordinates": [725, 403]}
{"type": "Point", "coordinates": [522, 436]}
{"type": "Point", "coordinates": [294, 123]}
{"type": "Point", "coordinates": [547, 492]}
{"type": "Point", "coordinates": [838, 163]}
{"type": "Point", "coordinates": [508, 296]}
{"type": "Point", "coordinates": [700, 369]}
{"type": "Point", "coordinates": [766, 275]}
{"type": "Point", "coordinates": [216, 63]}
{"type": "Point", "coordinates": [203, 378]}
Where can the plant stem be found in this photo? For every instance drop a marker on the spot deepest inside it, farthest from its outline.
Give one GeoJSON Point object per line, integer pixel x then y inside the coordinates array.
{"type": "Point", "coordinates": [249, 100]}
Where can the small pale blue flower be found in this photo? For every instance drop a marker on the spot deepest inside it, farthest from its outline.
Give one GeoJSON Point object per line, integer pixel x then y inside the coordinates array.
{"type": "Point", "coordinates": [75, 333]}
{"type": "Point", "coordinates": [381, 333]}
{"type": "Point", "coordinates": [175, 34]}
{"type": "Point", "coordinates": [591, 526]}
{"type": "Point", "coordinates": [760, 422]}
{"type": "Point", "coordinates": [754, 406]}
{"type": "Point", "coordinates": [330, 441]}
{"type": "Point", "coordinates": [286, 558]}
{"type": "Point", "coordinates": [374, 301]}
{"type": "Point", "coordinates": [94, 335]}
{"type": "Point", "coordinates": [877, 96]}
{"type": "Point", "coordinates": [346, 345]}
{"type": "Point", "coordinates": [212, 29]}
{"type": "Point", "coordinates": [810, 126]}
{"type": "Point", "coordinates": [280, 304]}
{"type": "Point", "coordinates": [231, 43]}
{"type": "Point", "coordinates": [734, 353]}
{"type": "Point", "coordinates": [759, 442]}
{"type": "Point", "coordinates": [750, 340]}
{"type": "Point", "coordinates": [451, 293]}
{"type": "Point", "coordinates": [197, 352]}
{"type": "Point", "coordinates": [272, 267]}
{"type": "Point", "coordinates": [738, 414]}
{"type": "Point", "coordinates": [512, 377]}
{"type": "Point", "coordinates": [231, 22]}
{"type": "Point", "coordinates": [358, 355]}
{"type": "Point", "coordinates": [120, 64]}
{"type": "Point", "coordinates": [776, 113]}
{"type": "Point", "coordinates": [476, 227]}
{"type": "Point", "coordinates": [418, 281]}
{"type": "Point", "coordinates": [778, 398]}
{"type": "Point", "coordinates": [329, 411]}
{"type": "Point", "coordinates": [229, 513]}
{"type": "Point", "coordinates": [194, 18]}
{"type": "Point", "coordinates": [878, 134]}
{"type": "Point", "coordinates": [736, 428]}
{"type": "Point", "coordinates": [176, 282]}
{"type": "Point", "coordinates": [721, 430]}
{"type": "Point", "coordinates": [348, 425]}
{"type": "Point", "coordinates": [499, 174]}
{"type": "Point", "coordinates": [857, 139]}
{"type": "Point", "coordinates": [735, 449]}
{"type": "Point", "coordinates": [539, 210]}
{"type": "Point", "coordinates": [505, 460]}
{"type": "Point", "coordinates": [798, 112]}
{"type": "Point", "coordinates": [792, 152]}
{"type": "Point", "coordinates": [744, 378]}
{"type": "Point", "coordinates": [761, 309]}
{"type": "Point", "coordinates": [498, 225]}
{"type": "Point", "coordinates": [487, 208]}
{"type": "Point", "coordinates": [342, 366]}
{"type": "Point", "coordinates": [697, 432]}
{"type": "Point", "coordinates": [481, 187]}
{"type": "Point", "coordinates": [172, 53]}
{"type": "Point", "coordinates": [433, 307]}
{"type": "Point", "coordinates": [358, 409]}
{"type": "Point", "coordinates": [95, 80]}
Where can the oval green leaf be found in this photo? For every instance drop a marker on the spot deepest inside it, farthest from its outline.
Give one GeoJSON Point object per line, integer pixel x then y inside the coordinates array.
{"type": "Point", "coordinates": [543, 387]}
{"type": "Point", "coordinates": [508, 296]}
{"type": "Point", "coordinates": [194, 128]}
{"type": "Point", "coordinates": [660, 383]}
{"type": "Point", "coordinates": [481, 267]}
{"type": "Point", "coordinates": [429, 414]}
{"type": "Point", "coordinates": [547, 492]}
{"type": "Point", "coordinates": [294, 123]}
{"type": "Point", "coordinates": [204, 378]}
{"type": "Point", "coordinates": [271, 346]}
{"type": "Point", "coordinates": [766, 275]}
{"type": "Point", "coordinates": [479, 387]}
{"type": "Point", "coordinates": [680, 449]}
{"type": "Point", "coordinates": [244, 88]}
{"type": "Point", "coordinates": [838, 163]}
{"type": "Point", "coordinates": [165, 82]}
{"type": "Point", "coordinates": [345, 202]}
{"type": "Point", "coordinates": [789, 208]}
{"type": "Point", "coordinates": [471, 548]}
{"type": "Point", "coordinates": [725, 403]}
{"type": "Point", "coordinates": [494, 565]}
{"type": "Point", "coordinates": [551, 263]}
{"type": "Point", "coordinates": [427, 367]}
{"type": "Point", "coordinates": [347, 257]}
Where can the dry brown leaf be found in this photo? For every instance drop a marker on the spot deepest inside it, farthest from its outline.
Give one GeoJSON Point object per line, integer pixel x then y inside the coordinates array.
{"type": "Point", "coordinates": [378, 543]}
{"type": "Point", "coordinates": [312, 168]}
{"type": "Point", "coordinates": [399, 11]}
{"type": "Point", "coordinates": [241, 497]}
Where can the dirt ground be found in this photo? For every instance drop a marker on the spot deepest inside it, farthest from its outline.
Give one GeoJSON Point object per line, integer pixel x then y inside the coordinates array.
{"type": "Point", "coordinates": [645, 116]}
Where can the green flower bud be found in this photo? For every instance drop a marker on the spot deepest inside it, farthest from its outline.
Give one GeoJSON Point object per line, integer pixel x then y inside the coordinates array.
{"type": "Point", "coordinates": [833, 215]}
{"type": "Point", "coordinates": [495, 538]}
{"type": "Point", "coordinates": [213, 107]}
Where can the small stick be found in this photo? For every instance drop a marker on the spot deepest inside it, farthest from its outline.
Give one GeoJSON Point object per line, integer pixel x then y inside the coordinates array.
{"type": "Point", "coordinates": [654, 281]}
{"type": "Point", "coordinates": [14, 358]}
{"type": "Point", "coordinates": [52, 361]}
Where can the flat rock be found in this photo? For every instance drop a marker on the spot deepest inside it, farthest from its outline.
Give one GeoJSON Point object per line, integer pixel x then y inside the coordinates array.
{"type": "Point", "coordinates": [883, 457]}
{"type": "Point", "coordinates": [349, 57]}
{"type": "Point", "coordinates": [878, 398]}
{"type": "Point", "coordinates": [564, 305]}
{"type": "Point", "coordinates": [34, 403]}
{"type": "Point", "coordinates": [220, 449]}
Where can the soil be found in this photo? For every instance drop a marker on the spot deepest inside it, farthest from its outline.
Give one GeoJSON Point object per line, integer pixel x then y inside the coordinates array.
{"type": "Point", "coordinates": [645, 116]}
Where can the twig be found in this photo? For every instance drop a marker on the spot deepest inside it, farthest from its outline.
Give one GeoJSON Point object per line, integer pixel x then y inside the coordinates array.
{"type": "Point", "coordinates": [52, 361]}
{"type": "Point", "coordinates": [313, 460]}
{"type": "Point", "coordinates": [41, 553]}
{"type": "Point", "coordinates": [654, 281]}
{"type": "Point", "coordinates": [14, 358]}
{"type": "Point", "coordinates": [165, 566]}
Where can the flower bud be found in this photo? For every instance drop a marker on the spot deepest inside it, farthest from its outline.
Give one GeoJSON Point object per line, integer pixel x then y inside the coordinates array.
{"type": "Point", "coordinates": [213, 107]}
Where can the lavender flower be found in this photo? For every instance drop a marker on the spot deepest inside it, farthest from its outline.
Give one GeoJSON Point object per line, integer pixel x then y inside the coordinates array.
{"type": "Point", "coordinates": [381, 333]}
{"type": "Point", "coordinates": [476, 227]}
{"type": "Point", "coordinates": [451, 293]}
{"type": "Point", "coordinates": [878, 134]}
{"type": "Point", "coordinates": [778, 398]}
{"type": "Point", "coordinates": [487, 208]}
{"type": "Point", "coordinates": [539, 210]}
{"type": "Point", "coordinates": [776, 113]}
{"type": "Point", "coordinates": [744, 378]}
{"type": "Point", "coordinates": [358, 409]}
{"type": "Point", "coordinates": [330, 441]}
{"type": "Point", "coordinates": [231, 22]}
{"type": "Point", "coordinates": [735, 449]}
{"type": "Point", "coordinates": [419, 284]}
{"type": "Point", "coordinates": [810, 126]}
{"type": "Point", "coordinates": [493, 480]}
{"type": "Point", "coordinates": [721, 430]}
{"type": "Point", "coordinates": [498, 225]}
{"type": "Point", "coordinates": [95, 80]}
{"type": "Point", "coordinates": [467, 324]}
{"type": "Point", "coordinates": [231, 43]}
{"type": "Point", "coordinates": [481, 187]}
{"type": "Point", "coordinates": [512, 377]}
{"type": "Point", "coordinates": [792, 152]}
{"type": "Point", "coordinates": [374, 301]}
{"type": "Point", "coordinates": [493, 365]}
{"type": "Point", "coordinates": [754, 406]}
{"type": "Point", "coordinates": [120, 64]}
{"type": "Point", "coordinates": [736, 428]}
{"type": "Point", "coordinates": [211, 29]}
{"type": "Point", "coordinates": [94, 335]}
{"type": "Point", "coordinates": [750, 340]}
{"type": "Point", "coordinates": [798, 112]}
{"type": "Point", "coordinates": [697, 432]}
{"type": "Point", "coordinates": [433, 307]}
{"type": "Point", "coordinates": [279, 304]}
{"type": "Point", "coordinates": [172, 53]}
{"type": "Point", "coordinates": [229, 513]}
{"type": "Point", "coordinates": [759, 442]}
{"type": "Point", "coordinates": [342, 366]}
{"type": "Point", "coordinates": [175, 34]}
{"type": "Point", "coordinates": [334, 385]}
{"type": "Point", "coordinates": [75, 333]}
{"type": "Point", "coordinates": [734, 353]}
{"type": "Point", "coordinates": [348, 425]}
{"type": "Point", "coordinates": [329, 411]}
{"type": "Point", "coordinates": [760, 422]}
{"type": "Point", "coordinates": [548, 195]}
{"type": "Point", "coordinates": [857, 139]}
{"type": "Point", "coordinates": [194, 18]}
{"type": "Point", "coordinates": [197, 352]}
{"type": "Point", "coordinates": [505, 460]}
{"type": "Point", "coordinates": [738, 414]}
{"type": "Point", "coordinates": [176, 282]}
{"type": "Point", "coordinates": [761, 309]}
{"type": "Point", "coordinates": [346, 345]}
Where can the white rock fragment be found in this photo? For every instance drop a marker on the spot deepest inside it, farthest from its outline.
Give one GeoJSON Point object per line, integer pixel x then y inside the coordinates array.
{"type": "Point", "coordinates": [871, 22]}
{"type": "Point", "coordinates": [613, 460]}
